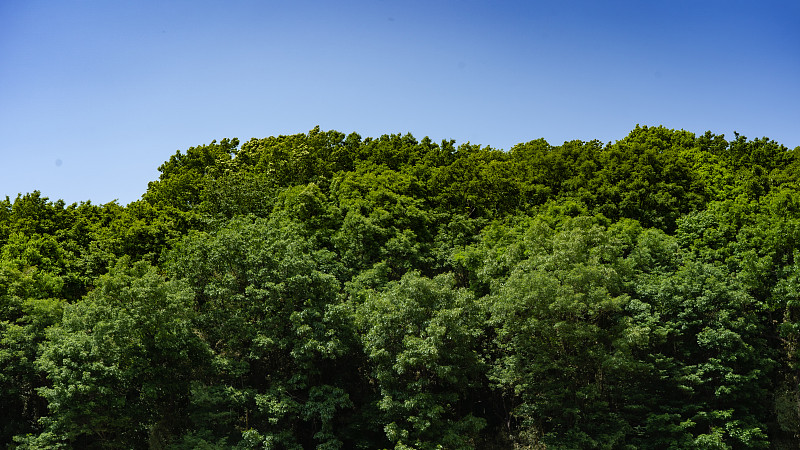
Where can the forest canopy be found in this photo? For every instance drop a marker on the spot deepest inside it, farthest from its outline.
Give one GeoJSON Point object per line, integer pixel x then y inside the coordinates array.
{"type": "Point", "coordinates": [332, 291]}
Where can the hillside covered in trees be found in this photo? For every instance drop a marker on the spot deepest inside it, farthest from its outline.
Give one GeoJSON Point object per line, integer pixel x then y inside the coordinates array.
{"type": "Point", "coordinates": [333, 291]}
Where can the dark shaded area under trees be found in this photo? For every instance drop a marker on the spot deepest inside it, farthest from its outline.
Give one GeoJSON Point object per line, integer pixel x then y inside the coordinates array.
{"type": "Point", "coordinates": [333, 291]}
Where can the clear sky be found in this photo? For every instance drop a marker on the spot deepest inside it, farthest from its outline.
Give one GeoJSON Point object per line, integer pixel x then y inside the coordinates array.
{"type": "Point", "coordinates": [95, 95]}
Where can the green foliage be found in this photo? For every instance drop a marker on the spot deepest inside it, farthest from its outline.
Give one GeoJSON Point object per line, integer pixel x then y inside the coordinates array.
{"type": "Point", "coordinates": [26, 311]}
{"type": "Point", "coordinates": [267, 304]}
{"type": "Point", "coordinates": [422, 337]}
{"type": "Point", "coordinates": [328, 290]}
{"type": "Point", "coordinates": [181, 180]}
{"type": "Point", "coordinates": [713, 357]}
{"type": "Point", "coordinates": [564, 337]}
{"type": "Point", "coordinates": [120, 363]}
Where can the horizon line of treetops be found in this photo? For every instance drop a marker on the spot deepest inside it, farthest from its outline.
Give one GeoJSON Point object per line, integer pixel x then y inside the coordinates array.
{"type": "Point", "coordinates": [332, 291]}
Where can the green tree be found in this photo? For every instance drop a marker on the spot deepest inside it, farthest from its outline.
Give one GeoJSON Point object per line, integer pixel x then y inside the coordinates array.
{"type": "Point", "coordinates": [120, 364]}
{"type": "Point", "coordinates": [423, 339]}
{"type": "Point", "coordinates": [561, 321]}
{"type": "Point", "coordinates": [268, 303]}
{"type": "Point", "coordinates": [714, 365]}
{"type": "Point", "coordinates": [28, 306]}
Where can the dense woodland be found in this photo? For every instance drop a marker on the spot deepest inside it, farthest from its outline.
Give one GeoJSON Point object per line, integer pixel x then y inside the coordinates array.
{"type": "Point", "coordinates": [333, 291]}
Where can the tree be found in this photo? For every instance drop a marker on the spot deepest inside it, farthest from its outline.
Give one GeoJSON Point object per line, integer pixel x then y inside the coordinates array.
{"type": "Point", "coordinates": [28, 306]}
{"type": "Point", "coordinates": [561, 321]}
{"type": "Point", "coordinates": [423, 340]}
{"type": "Point", "coordinates": [121, 363]}
{"type": "Point", "coordinates": [268, 304]}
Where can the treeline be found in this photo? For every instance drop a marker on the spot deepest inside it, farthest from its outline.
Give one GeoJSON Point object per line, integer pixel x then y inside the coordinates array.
{"type": "Point", "coordinates": [333, 291]}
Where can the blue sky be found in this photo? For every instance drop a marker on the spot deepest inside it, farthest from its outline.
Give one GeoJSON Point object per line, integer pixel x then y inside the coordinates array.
{"type": "Point", "coordinates": [95, 95]}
